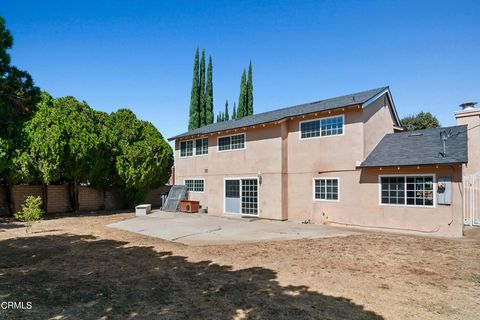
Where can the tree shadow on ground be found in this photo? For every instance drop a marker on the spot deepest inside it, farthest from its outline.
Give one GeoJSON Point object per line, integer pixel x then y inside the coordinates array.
{"type": "Point", "coordinates": [82, 277]}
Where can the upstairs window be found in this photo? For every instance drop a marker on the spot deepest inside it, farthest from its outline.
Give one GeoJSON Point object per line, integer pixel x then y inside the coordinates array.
{"type": "Point", "coordinates": [233, 142]}
{"type": "Point", "coordinates": [325, 127]}
{"type": "Point", "coordinates": [186, 148]}
{"type": "Point", "coordinates": [201, 146]}
{"type": "Point", "coordinates": [195, 185]}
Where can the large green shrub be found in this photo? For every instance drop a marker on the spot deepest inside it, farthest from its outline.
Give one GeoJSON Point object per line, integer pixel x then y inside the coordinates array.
{"type": "Point", "coordinates": [31, 211]}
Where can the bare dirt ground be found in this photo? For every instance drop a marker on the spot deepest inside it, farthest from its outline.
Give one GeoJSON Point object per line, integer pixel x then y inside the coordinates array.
{"type": "Point", "coordinates": [77, 268]}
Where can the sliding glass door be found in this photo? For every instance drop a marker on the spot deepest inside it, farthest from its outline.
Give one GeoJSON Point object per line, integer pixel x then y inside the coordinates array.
{"type": "Point", "coordinates": [241, 196]}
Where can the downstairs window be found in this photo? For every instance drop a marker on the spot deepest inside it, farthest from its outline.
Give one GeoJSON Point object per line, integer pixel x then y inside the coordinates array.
{"type": "Point", "coordinates": [195, 185]}
{"type": "Point", "coordinates": [407, 190]}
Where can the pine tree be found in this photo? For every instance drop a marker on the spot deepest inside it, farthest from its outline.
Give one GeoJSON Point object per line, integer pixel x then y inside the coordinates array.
{"type": "Point", "coordinates": [227, 117]}
{"type": "Point", "coordinates": [218, 118]}
{"type": "Point", "coordinates": [250, 91]}
{"type": "Point", "coordinates": [194, 119]}
{"type": "Point", "coordinates": [242, 100]}
{"type": "Point", "coordinates": [209, 94]}
{"type": "Point", "coordinates": [234, 113]}
{"type": "Point", "coordinates": [202, 111]}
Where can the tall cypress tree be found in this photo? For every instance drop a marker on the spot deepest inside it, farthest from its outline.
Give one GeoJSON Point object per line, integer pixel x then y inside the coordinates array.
{"type": "Point", "coordinates": [209, 94]}
{"type": "Point", "coordinates": [250, 90]}
{"type": "Point", "coordinates": [234, 113]}
{"type": "Point", "coordinates": [227, 117]}
{"type": "Point", "coordinates": [194, 119]}
{"type": "Point", "coordinates": [242, 100]}
{"type": "Point", "coordinates": [202, 109]}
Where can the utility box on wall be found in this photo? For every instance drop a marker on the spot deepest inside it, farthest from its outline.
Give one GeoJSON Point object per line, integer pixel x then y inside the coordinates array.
{"type": "Point", "coordinates": [444, 190]}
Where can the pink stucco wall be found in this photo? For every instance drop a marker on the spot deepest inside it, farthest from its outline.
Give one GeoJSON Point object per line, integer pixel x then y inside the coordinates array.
{"type": "Point", "coordinates": [288, 165]}
{"type": "Point", "coordinates": [472, 119]}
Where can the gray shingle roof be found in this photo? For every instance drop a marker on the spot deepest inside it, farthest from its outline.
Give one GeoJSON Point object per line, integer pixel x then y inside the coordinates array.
{"type": "Point", "coordinates": [279, 114]}
{"type": "Point", "coordinates": [420, 147]}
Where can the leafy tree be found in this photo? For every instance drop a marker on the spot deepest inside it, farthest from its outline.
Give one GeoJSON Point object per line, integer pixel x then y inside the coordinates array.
{"type": "Point", "coordinates": [422, 120]}
{"type": "Point", "coordinates": [227, 117]}
{"type": "Point", "coordinates": [18, 97]}
{"type": "Point", "coordinates": [250, 90]}
{"type": "Point", "coordinates": [209, 93]}
{"type": "Point", "coordinates": [46, 143]}
{"type": "Point", "coordinates": [202, 94]}
{"type": "Point", "coordinates": [63, 143]}
{"type": "Point", "coordinates": [142, 158]}
{"type": "Point", "coordinates": [42, 159]}
{"type": "Point", "coordinates": [31, 211]}
{"type": "Point", "coordinates": [194, 116]}
{"type": "Point", "coordinates": [242, 110]}
{"type": "Point", "coordinates": [234, 113]}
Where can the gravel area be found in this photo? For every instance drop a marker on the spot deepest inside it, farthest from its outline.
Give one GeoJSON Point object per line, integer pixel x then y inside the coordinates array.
{"type": "Point", "coordinates": [75, 267]}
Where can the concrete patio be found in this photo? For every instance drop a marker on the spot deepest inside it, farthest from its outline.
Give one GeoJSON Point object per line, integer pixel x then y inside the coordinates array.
{"type": "Point", "coordinates": [202, 229]}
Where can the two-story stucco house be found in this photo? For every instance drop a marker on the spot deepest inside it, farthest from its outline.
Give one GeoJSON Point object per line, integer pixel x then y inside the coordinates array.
{"type": "Point", "coordinates": [343, 161]}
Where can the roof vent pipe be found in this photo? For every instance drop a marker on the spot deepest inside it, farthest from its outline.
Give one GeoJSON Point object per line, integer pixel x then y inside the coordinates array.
{"type": "Point", "coordinates": [468, 105]}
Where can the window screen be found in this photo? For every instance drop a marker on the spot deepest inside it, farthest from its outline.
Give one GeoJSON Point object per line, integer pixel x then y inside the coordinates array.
{"type": "Point", "coordinates": [322, 127]}
{"type": "Point", "coordinates": [393, 190]}
{"type": "Point", "coordinates": [232, 188]}
{"type": "Point", "coordinates": [407, 190]}
{"type": "Point", "coordinates": [195, 185]}
{"type": "Point", "coordinates": [201, 146]}
{"type": "Point", "coordinates": [186, 148]}
{"type": "Point", "coordinates": [231, 142]}
{"type": "Point", "coordinates": [326, 189]}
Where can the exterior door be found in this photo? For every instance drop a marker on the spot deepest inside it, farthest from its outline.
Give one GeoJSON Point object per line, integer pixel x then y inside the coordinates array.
{"type": "Point", "coordinates": [250, 196]}
{"type": "Point", "coordinates": [241, 196]}
{"type": "Point", "coordinates": [232, 196]}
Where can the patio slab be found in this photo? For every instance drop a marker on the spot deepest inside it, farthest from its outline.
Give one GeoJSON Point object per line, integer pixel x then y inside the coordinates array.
{"type": "Point", "coordinates": [203, 229]}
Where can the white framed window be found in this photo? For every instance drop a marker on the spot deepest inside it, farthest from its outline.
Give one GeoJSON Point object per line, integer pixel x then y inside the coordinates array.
{"type": "Point", "coordinates": [195, 185]}
{"type": "Point", "coordinates": [326, 189]}
{"type": "Point", "coordinates": [232, 142]}
{"type": "Point", "coordinates": [322, 127]}
{"type": "Point", "coordinates": [186, 148]}
{"type": "Point", "coordinates": [407, 190]}
{"type": "Point", "coordinates": [201, 146]}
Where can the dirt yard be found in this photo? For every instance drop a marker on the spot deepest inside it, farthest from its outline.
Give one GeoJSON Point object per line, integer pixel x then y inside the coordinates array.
{"type": "Point", "coordinates": [77, 268]}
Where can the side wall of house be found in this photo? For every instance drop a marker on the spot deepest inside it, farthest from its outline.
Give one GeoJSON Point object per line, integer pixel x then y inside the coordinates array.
{"type": "Point", "coordinates": [378, 120]}
{"type": "Point", "coordinates": [261, 157]}
{"type": "Point", "coordinates": [334, 156]}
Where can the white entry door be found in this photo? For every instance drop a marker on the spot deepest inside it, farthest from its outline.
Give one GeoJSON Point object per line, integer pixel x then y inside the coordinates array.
{"type": "Point", "coordinates": [241, 196]}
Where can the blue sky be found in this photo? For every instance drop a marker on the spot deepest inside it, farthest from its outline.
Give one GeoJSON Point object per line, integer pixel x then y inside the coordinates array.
{"type": "Point", "coordinates": [139, 54]}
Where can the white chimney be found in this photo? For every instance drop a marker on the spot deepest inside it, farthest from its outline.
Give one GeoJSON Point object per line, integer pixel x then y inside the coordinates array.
{"type": "Point", "coordinates": [470, 116]}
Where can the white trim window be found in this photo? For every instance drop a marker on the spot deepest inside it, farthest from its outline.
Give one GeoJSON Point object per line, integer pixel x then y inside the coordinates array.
{"type": "Point", "coordinates": [407, 190]}
{"type": "Point", "coordinates": [326, 189]}
{"type": "Point", "coordinates": [323, 127]}
{"type": "Point", "coordinates": [201, 146]}
{"type": "Point", "coordinates": [195, 185]}
{"type": "Point", "coordinates": [233, 142]}
{"type": "Point", "coordinates": [186, 148]}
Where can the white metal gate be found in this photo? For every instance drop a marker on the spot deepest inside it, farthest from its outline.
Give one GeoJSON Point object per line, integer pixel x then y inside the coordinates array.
{"type": "Point", "coordinates": [471, 199]}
